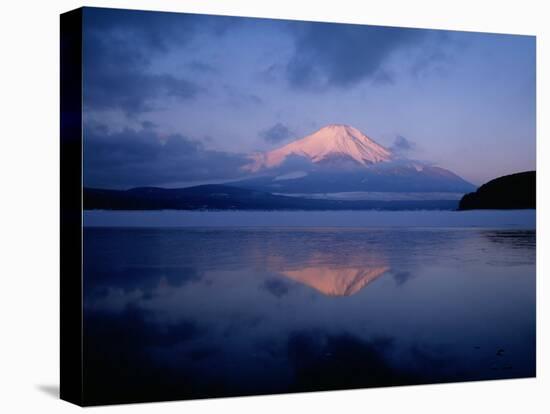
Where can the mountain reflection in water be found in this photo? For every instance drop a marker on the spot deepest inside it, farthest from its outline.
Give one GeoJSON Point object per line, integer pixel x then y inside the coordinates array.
{"type": "Point", "coordinates": [336, 281]}
{"type": "Point", "coordinates": [172, 313]}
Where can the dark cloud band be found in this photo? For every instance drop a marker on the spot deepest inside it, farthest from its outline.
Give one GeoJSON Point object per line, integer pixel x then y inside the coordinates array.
{"type": "Point", "coordinates": [141, 157]}
{"type": "Point", "coordinates": [337, 55]}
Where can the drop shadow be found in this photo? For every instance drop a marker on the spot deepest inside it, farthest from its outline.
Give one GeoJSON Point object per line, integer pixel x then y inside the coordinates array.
{"type": "Point", "coordinates": [51, 390]}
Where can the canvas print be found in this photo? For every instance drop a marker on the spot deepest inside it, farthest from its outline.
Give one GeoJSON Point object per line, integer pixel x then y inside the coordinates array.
{"type": "Point", "coordinates": [277, 206]}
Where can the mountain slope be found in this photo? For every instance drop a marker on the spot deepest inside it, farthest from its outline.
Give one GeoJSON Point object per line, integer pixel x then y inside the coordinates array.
{"type": "Point", "coordinates": [327, 144]}
{"type": "Point", "coordinates": [395, 176]}
{"type": "Point", "coordinates": [340, 158]}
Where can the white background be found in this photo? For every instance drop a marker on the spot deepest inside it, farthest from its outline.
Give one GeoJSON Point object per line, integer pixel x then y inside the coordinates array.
{"type": "Point", "coordinates": [29, 194]}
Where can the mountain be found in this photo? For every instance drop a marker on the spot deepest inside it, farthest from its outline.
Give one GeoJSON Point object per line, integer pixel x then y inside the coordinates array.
{"type": "Point", "coordinates": [340, 158]}
{"type": "Point", "coordinates": [396, 176]}
{"type": "Point", "coordinates": [331, 169]}
{"type": "Point", "coordinates": [223, 197]}
{"type": "Point", "coordinates": [328, 144]}
{"type": "Point", "coordinates": [515, 191]}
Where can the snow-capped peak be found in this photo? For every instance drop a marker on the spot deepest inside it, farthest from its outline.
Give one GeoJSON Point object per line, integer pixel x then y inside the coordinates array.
{"type": "Point", "coordinates": [333, 141]}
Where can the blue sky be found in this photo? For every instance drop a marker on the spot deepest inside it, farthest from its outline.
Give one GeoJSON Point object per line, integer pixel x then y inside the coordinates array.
{"type": "Point", "coordinates": [172, 99]}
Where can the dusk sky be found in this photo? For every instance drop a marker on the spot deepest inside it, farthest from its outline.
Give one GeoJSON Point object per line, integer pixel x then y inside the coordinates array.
{"type": "Point", "coordinates": [173, 99]}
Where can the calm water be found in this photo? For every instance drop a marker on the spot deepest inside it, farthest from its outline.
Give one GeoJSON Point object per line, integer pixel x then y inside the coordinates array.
{"type": "Point", "coordinates": [175, 313]}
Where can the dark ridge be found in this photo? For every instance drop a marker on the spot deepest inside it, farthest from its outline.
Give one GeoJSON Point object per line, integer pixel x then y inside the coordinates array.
{"type": "Point", "coordinates": [515, 191]}
{"type": "Point", "coordinates": [224, 197]}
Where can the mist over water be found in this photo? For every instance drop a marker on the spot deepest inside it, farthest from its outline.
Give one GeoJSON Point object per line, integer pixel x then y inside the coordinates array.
{"type": "Point", "coordinates": [523, 219]}
{"type": "Point", "coordinates": [199, 312]}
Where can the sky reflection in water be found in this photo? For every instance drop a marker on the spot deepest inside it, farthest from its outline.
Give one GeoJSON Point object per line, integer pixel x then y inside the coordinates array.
{"type": "Point", "coordinates": [188, 313]}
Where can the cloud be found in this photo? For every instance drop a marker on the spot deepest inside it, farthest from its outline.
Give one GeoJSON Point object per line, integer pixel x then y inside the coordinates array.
{"type": "Point", "coordinates": [136, 326]}
{"type": "Point", "coordinates": [402, 277]}
{"type": "Point", "coordinates": [120, 47]}
{"type": "Point", "coordinates": [277, 133]}
{"type": "Point", "coordinates": [277, 287]}
{"type": "Point", "coordinates": [434, 60]}
{"type": "Point", "coordinates": [402, 145]}
{"type": "Point", "coordinates": [241, 99]}
{"type": "Point", "coordinates": [134, 91]}
{"type": "Point", "coordinates": [340, 361]}
{"type": "Point", "coordinates": [341, 55]}
{"type": "Point", "coordinates": [272, 73]}
{"type": "Point", "coordinates": [145, 157]}
{"type": "Point", "coordinates": [125, 351]}
{"type": "Point", "coordinates": [202, 67]}
{"type": "Point", "coordinates": [133, 278]}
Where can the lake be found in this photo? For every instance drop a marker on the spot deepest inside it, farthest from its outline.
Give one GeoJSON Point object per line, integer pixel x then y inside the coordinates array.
{"type": "Point", "coordinates": [178, 306]}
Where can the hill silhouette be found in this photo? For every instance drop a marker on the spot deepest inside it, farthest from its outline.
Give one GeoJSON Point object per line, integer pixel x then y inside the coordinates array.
{"type": "Point", "coordinates": [515, 191]}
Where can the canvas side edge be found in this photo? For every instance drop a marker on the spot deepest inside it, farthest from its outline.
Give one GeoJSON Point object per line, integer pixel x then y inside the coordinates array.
{"type": "Point", "coordinates": [71, 341]}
